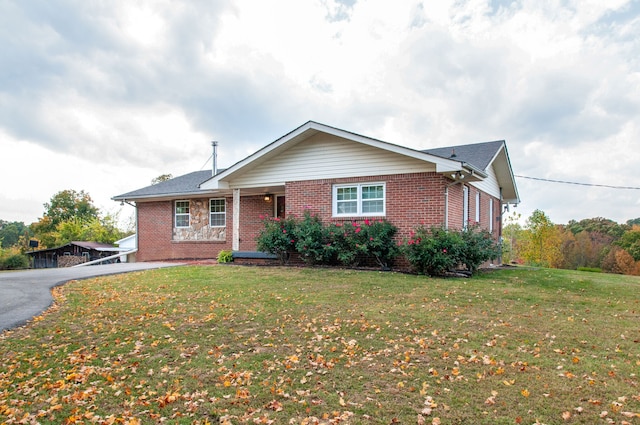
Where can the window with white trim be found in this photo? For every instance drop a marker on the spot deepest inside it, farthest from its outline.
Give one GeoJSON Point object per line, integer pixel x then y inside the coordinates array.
{"type": "Point", "coordinates": [490, 215]}
{"type": "Point", "coordinates": [362, 199]}
{"type": "Point", "coordinates": [217, 212]}
{"type": "Point", "coordinates": [477, 207]}
{"type": "Point", "coordinates": [465, 207]}
{"type": "Point", "coordinates": [183, 217]}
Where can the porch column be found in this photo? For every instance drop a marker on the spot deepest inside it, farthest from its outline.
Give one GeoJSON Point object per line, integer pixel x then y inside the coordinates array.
{"type": "Point", "coordinates": [235, 241]}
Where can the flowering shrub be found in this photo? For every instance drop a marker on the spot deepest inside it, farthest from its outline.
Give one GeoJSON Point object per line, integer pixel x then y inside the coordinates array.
{"type": "Point", "coordinates": [344, 242]}
{"type": "Point", "coordinates": [312, 241]}
{"type": "Point", "coordinates": [478, 247]}
{"type": "Point", "coordinates": [316, 243]}
{"type": "Point", "coordinates": [435, 251]}
{"type": "Point", "coordinates": [277, 237]}
{"type": "Point", "coordinates": [378, 241]}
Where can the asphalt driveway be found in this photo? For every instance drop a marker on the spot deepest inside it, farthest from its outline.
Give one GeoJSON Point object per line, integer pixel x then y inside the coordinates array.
{"type": "Point", "coordinates": [25, 294]}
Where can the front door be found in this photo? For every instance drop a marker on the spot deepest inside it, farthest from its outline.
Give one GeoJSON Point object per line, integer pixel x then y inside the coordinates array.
{"type": "Point", "coordinates": [280, 207]}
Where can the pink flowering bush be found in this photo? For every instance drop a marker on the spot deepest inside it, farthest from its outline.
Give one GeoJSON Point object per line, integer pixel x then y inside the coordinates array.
{"type": "Point", "coordinates": [433, 251]}
{"type": "Point", "coordinates": [346, 243]}
{"type": "Point", "coordinates": [436, 251]}
{"type": "Point", "coordinates": [478, 247]}
{"type": "Point", "coordinates": [378, 240]}
{"type": "Point", "coordinates": [313, 243]}
{"type": "Point", "coordinates": [277, 237]}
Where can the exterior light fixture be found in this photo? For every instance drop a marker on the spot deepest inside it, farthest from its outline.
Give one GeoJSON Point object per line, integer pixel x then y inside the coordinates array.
{"type": "Point", "coordinates": [267, 198]}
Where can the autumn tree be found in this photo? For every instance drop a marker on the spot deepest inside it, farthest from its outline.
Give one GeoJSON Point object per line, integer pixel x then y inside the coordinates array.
{"type": "Point", "coordinates": [630, 242]}
{"type": "Point", "coordinates": [71, 215]}
{"type": "Point", "coordinates": [541, 241]}
{"type": "Point", "coordinates": [633, 221]}
{"type": "Point", "coordinates": [569, 248]}
{"type": "Point", "coordinates": [66, 205]}
{"type": "Point", "coordinates": [626, 264]}
{"type": "Point", "coordinates": [102, 230]}
{"type": "Point", "coordinates": [598, 225]}
{"type": "Point", "coordinates": [11, 233]}
{"type": "Point", "coordinates": [511, 238]}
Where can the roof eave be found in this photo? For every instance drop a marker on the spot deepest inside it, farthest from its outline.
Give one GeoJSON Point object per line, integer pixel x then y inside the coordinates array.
{"type": "Point", "coordinates": [163, 196]}
{"type": "Point", "coordinates": [516, 198]}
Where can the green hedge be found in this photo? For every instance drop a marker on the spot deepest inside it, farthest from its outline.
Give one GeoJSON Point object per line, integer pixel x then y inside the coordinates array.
{"type": "Point", "coordinates": [345, 243]}
{"type": "Point", "coordinates": [432, 251]}
{"type": "Point", "coordinates": [14, 262]}
{"type": "Point", "coordinates": [435, 251]}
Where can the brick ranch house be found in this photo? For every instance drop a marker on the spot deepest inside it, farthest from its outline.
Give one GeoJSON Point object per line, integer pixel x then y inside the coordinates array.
{"type": "Point", "coordinates": [339, 175]}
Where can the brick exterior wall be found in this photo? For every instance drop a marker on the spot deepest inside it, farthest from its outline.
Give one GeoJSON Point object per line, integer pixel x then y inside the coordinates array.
{"type": "Point", "coordinates": [411, 199]}
{"type": "Point", "coordinates": [157, 239]}
{"type": "Point", "coordinates": [155, 236]}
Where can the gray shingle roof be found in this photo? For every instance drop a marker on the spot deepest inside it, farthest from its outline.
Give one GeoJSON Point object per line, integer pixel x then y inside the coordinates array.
{"type": "Point", "coordinates": [188, 183]}
{"type": "Point", "coordinates": [477, 154]}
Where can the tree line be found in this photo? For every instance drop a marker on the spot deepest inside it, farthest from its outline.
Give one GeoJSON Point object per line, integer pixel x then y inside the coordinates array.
{"type": "Point", "coordinates": [594, 244]}
{"type": "Point", "coordinates": [68, 216]}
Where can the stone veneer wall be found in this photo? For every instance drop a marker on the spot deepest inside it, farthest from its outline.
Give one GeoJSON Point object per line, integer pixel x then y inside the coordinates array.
{"type": "Point", "coordinates": [199, 229]}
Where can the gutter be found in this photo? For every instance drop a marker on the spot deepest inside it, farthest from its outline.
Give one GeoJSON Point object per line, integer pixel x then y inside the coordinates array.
{"type": "Point", "coordinates": [160, 196]}
{"type": "Point", "coordinates": [474, 170]}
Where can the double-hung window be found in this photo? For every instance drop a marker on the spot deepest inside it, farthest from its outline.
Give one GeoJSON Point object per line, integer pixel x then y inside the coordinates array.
{"type": "Point", "coordinates": [363, 199]}
{"type": "Point", "coordinates": [182, 214]}
{"type": "Point", "coordinates": [217, 212]}
{"type": "Point", "coordinates": [490, 215]}
{"type": "Point", "coordinates": [465, 207]}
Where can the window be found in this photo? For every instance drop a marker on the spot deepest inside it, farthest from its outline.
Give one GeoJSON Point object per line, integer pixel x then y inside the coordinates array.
{"type": "Point", "coordinates": [182, 214]}
{"type": "Point", "coordinates": [217, 212]}
{"type": "Point", "coordinates": [465, 207]}
{"type": "Point", "coordinates": [367, 199]}
{"type": "Point", "coordinates": [490, 215]}
{"type": "Point", "coordinates": [477, 207]}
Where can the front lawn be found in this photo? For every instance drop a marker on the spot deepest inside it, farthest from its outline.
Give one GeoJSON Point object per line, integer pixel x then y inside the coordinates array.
{"type": "Point", "coordinates": [226, 344]}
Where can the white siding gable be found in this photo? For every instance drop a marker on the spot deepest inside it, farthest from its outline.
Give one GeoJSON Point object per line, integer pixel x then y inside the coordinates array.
{"type": "Point", "coordinates": [490, 184]}
{"type": "Point", "coordinates": [325, 156]}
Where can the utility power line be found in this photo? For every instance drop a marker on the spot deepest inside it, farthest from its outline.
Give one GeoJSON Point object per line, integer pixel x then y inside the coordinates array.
{"type": "Point", "coordinates": [579, 184]}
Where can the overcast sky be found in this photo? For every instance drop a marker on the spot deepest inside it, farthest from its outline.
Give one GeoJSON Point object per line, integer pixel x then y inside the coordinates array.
{"type": "Point", "coordinates": [105, 96]}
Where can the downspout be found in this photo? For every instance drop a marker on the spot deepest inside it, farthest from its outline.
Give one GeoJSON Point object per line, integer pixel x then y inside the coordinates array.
{"type": "Point", "coordinates": [501, 213]}
{"type": "Point", "coordinates": [500, 227]}
{"type": "Point", "coordinates": [137, 220]}
{"type": "Point", "coordinates": [235, 241]}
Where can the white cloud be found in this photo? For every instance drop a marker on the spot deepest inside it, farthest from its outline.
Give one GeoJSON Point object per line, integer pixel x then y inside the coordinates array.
{"type": "Point", "coordinates": [127, 91]}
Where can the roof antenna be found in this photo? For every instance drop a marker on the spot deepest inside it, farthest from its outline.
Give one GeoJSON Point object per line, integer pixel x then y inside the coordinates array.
{"type": "Point", "coordinates": [215, 158]}
{"type": "Point", "coordinates": [453, 153]}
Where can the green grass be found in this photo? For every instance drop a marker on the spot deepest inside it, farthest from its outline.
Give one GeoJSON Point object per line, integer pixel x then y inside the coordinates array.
{"type": "Point", "coordinates": [213, 344]}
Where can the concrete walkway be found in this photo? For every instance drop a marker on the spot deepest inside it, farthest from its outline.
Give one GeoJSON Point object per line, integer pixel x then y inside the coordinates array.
{"type": "Point", "coordinates": [25, 294]}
